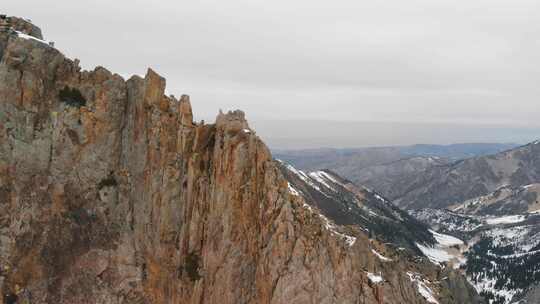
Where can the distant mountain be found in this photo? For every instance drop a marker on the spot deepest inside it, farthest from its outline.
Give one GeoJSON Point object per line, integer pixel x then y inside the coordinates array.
{"type": "Point", "coordinates": [456, 151]}
{"type": "Point", "coordinates": [340, 160]}
{"type": "Point", "coordinates": [503, 201]}
{"type": "Point", "coordinates": [391, 171]}
{"type": "Point", "coordinates": [298, 133]}
{"type": "Point", "coordinates": [489, 203]}
{"type": "Point", "coordinates": [492, 203]}
{"type": "Point", "coordinates": [453, 184]}
{"type": "Point", "coordinates": [343, 161]}
{"type": "Point", "coordinates": [392, 178]}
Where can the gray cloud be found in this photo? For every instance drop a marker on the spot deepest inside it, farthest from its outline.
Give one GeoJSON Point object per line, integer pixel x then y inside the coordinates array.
{"type": "Point", "coordinates": [469, 62]}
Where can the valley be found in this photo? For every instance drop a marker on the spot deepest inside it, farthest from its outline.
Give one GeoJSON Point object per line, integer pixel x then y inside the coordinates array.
{"type": "Point", "coordinates": [486, 208]}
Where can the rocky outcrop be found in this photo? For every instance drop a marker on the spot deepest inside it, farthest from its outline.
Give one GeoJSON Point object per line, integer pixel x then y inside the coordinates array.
{"type": "Point", "coordinates": [110, 193]}
{"type": "Point", "coordinates": [25, 26]}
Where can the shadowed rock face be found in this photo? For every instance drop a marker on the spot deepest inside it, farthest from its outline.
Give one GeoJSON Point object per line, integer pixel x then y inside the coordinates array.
{"type": "Point", "coordinates": [110, 193]}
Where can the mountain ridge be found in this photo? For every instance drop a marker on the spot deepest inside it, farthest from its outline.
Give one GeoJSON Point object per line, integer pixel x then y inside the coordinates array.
{"type": "Point", "coordinates": [111, 193]}
{"type": "Point", "coordinates": [472, 177]}
{"type": "Point", "coordinates": [389, 170]}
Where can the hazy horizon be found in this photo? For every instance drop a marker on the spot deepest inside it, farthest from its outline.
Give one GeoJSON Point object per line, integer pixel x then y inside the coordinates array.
{"type": "Point", "coordinates": [467, 70]}
{"type": "Point", "coordinates": [302, 134]}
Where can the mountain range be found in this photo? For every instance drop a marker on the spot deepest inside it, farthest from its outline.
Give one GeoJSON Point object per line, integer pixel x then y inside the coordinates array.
{"type": "Point", "coordinates": [489, 201]}
{"type": "Point", "coordinates": [389, 170]}
{"type": "Point", "coordinates": [454, 183]}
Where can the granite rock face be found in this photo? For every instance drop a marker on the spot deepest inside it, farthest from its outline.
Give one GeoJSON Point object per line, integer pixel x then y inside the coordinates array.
{"type": "Point", "coordinates": [110, 193]}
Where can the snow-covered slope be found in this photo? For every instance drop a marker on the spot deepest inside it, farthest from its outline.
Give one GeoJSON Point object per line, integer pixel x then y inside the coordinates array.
{"type": "Point", "coordinates": [448, 222]}
{"type": "Point", "coordinates": [347, 204]}
{"type": "Point", "coordinates": [500, 255]}
{"type": "Point", "coordinates": [447, 250]}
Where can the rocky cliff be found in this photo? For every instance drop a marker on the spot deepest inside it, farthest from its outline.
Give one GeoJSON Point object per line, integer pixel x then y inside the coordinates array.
{"type": "Point", "coordinates": [110, 193]}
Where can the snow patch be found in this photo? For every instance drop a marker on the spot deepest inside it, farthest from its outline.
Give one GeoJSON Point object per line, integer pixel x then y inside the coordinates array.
{"type": "Point", "coordinates": [510, 219]}
{"type": "Point", "coordinates": [442, 251]}
{"type": "Point", "coordinates": [519, 237]}
{"type": "Point", "coordinates": [451, 221]}
{"type": "Point", "coordinates": [422, 287]}
{"type": "Point", "coordinates": [28, 37]}
{"type": "Point", "coordinates": [445, 239]}
{"type": "Point", "coordinates": [319, 176]}
{"type": "Point", "coordinates": [349, 240]}
{"type": "Point", "coordinates": [515, 255]}
{"type": "Point", "coordinates": [380, 256]}
{"type": "Point", "coordinates": [303, 176]}
{"type": "Point", "coordinates": [292, 190]}
{"type": "Point", "coordinates": [308, 207]}
{"type": "Point", "coordinates": [371, 213]}
{"type": "Point", "coordinates": [435, 255]}
{"type": "Point", "coordinates": [374, 278]}
{"type": "Point", "coordinates": [380, 198]}
{"type": "Point", "coordinates": [331, 178]}
{"type": "Point", "coordinates": [488, 284]}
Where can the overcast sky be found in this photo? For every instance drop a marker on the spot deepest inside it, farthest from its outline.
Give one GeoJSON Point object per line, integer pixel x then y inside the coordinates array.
{"type": "Point", "coordinates": [472, 63]}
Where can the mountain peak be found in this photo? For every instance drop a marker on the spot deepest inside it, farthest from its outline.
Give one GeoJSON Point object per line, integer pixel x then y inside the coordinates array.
{"type": "Point", "coordinates": [232, 121]}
